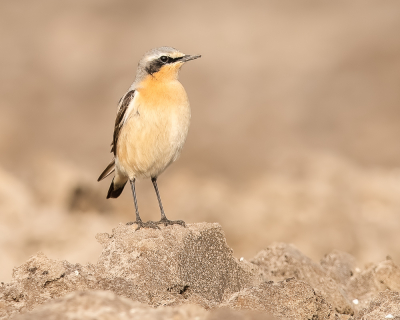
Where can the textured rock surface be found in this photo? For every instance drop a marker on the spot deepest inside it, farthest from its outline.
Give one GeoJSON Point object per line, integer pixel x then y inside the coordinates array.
{"type": "Point", "coordinates": [170, 266]}
{"type": "Point", "coordinates": [185, 273]}
{"type": "Point", "coordinates": [291, 299]}
{"type": "Point", "coordinates": [281, 261]}
{"type": "Point", "coordinates": [365, 285]}
{"type": "Point", "coordinates": [174, 263]}
{"type": "Point", "coordinates": [41, 279]}
{"type": "Point", "coordinates": [340, 266]}
{"type": "Point", "coordinates": [385, 306]}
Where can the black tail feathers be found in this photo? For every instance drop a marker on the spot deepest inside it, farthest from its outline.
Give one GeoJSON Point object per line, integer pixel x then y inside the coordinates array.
{"type": "Point", "coordinates": [115, 193]}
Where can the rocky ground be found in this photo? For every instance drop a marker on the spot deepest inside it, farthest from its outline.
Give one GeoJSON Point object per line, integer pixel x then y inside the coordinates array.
{"type": "Point", "coordinates": [191, 273]}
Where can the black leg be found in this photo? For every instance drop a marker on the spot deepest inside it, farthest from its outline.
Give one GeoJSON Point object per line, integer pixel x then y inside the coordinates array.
{"type": "Point", "coordinates": [135, 200]}
{"type": "Point", "coordinates": [154, 180]}
{"type": "Point", "coordinates": [139, 221]}
{"type": "Point", "coordinates": [164, 219]}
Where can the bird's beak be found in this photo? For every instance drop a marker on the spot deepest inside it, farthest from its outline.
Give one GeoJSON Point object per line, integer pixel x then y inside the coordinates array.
{"type": "Point", "coordinates": [188, 58]}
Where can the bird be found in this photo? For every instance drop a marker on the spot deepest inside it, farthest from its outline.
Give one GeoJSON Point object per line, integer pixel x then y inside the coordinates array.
{"type": "Point", "coordinates": [151, 126]}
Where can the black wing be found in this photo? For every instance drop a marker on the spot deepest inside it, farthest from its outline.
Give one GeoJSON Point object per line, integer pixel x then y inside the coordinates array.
{"type": "Point", "coordinates": [119, 120]}
{"type": "Point", "coordinates": [107, 171]}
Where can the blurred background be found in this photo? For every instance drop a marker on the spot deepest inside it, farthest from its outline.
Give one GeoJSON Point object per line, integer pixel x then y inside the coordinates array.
{"type": "Point", "coordinates": [294, 136]}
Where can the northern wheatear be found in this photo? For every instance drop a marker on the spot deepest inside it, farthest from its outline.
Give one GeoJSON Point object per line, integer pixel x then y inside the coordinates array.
{"type": "Point", "coordinates": [151, 126]}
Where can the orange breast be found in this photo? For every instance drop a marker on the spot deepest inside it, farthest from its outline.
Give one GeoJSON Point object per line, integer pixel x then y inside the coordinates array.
{"type": "Point", "coordinates": [156, 93]}
{"type": "Point", "coordinates": [152, 138]}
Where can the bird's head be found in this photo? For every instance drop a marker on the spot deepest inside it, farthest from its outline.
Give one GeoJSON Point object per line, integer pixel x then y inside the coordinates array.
{"type": "Point", "coordinates": [163, 63]}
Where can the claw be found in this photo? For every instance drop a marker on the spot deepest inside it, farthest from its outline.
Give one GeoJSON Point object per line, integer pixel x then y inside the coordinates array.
{"type": "Point", "coordinates": [141, 224]}
{"type": "Point", "coordinates": [167, 222]}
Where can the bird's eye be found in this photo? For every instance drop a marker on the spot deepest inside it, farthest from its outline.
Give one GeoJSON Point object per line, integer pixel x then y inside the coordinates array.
{"type": "Point", "coordinates": [164, 58]}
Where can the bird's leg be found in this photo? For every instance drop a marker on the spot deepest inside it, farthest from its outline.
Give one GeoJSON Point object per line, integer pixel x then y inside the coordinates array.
{"type": "Point", "coordinates": [139, 222]}
{"type": "Point", "coordinates": [164, 219]}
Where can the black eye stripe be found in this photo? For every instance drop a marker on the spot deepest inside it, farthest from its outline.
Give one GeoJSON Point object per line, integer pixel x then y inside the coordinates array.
{"type": "Point", "coordinates": [166, 59]}
{"type": "Point", "coordinates": [156, 64]}
{"type": "Point", "coordinates": [177, 59]}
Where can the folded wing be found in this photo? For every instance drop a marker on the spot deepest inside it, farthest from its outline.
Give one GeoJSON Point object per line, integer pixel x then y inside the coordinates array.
{"type": "Point", "coordinates": [119, 122]}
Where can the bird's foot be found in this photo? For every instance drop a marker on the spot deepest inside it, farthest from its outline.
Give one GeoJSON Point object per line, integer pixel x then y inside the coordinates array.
{"type": "Point", "coordinates": [140, 224]}
{"type": "Point", "coordinates": [167, 222]}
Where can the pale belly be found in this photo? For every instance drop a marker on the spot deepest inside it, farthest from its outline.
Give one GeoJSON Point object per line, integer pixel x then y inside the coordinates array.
{"type": "Point", "coordinates": [151, 140]}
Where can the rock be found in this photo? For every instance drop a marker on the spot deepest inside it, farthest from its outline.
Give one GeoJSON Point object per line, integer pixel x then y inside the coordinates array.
{"type": "Point", "coordinates": [281, 261]}
{"type": "Point", "coordinates": [175, 267]}
{"type": "Point", "coordinates": [41, 279]}
{"type": "Point", "coordinates": [364, 286]}
{"type": "Point", "coordinates": [385, 306]}
{"type": "Point", "coordinates": [289, 299]}
{"type": "Point", "coordinates": [170, 265]}
{"type": "Point", "coordinates": [340, 266]}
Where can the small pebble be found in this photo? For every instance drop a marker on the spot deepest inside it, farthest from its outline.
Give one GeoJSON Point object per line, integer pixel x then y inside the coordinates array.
{"type": "Point", "coordinates": [358, 270]}
{"type": "Point", "coordinates": [355, 301]}
{"type": "Point", "coordinates": [241, 259]}
{"type": "Point", "coordinates": [389, 316]}
{"type": "Point", "coordinates": [76, 272]}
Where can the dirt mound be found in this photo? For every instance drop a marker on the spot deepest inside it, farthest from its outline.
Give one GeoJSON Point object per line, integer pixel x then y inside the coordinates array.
{"type": "Point", "coordinates": [190, 273]}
